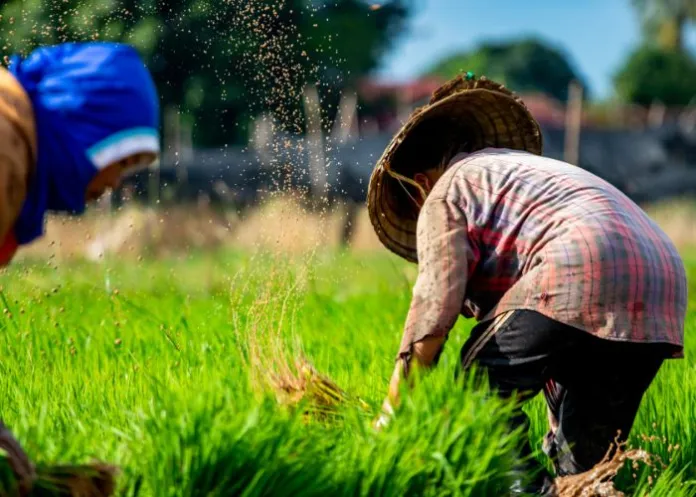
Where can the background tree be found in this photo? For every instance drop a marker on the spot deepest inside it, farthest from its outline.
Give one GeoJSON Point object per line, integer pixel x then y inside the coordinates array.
{"type": "Point", "coordinates": [221, 62]}
{"type": "Point", "coordinates": [523, 65]}
{"type": "Point", "coordinates": [664, 21]}
{"type": "Point", "coordinates": [661, 69]}
{"type": "Point", "coordinates": [654, 74]}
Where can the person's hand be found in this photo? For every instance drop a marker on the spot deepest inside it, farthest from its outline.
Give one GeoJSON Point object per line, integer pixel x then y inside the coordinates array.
{"type": "Point", "coordinates": [381, 422]}
{"type": "Point", "coordinates": [385, 416]}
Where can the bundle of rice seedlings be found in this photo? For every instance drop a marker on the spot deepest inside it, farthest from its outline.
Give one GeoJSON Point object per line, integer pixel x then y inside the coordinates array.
{"type": "Point", "coordinates": [274, 353]}
{"type": "Point", "coordinates": [302, 385]}
{"type": "Point", "coordinates": [598, 482]}
{"type": "Point", "coordinates": [20, 478]}
{"type": "Point", "coordinates": [93, 480]}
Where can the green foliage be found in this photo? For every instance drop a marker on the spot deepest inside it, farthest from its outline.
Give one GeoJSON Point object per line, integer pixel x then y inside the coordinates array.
{"type": "Point", "coordinates": [652, 74]}
{"type": "Point", "coordinates": [664, 21]}
{"type": "Point", "coordinates": [156, 378]}
{"type": "Point", "coordinates": [527, 65]}
{"type": "Point", "coordinates": [219, 63]}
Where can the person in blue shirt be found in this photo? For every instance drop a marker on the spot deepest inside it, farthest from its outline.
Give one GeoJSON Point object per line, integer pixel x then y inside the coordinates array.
{"type": "Point", "coordinates": [74, 119]}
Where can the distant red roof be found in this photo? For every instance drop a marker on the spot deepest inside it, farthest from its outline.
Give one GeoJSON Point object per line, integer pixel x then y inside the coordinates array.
{"type": "Point", "coordinates": [545, 109]}
{"type": "Point", "coordinates": [409, 92]}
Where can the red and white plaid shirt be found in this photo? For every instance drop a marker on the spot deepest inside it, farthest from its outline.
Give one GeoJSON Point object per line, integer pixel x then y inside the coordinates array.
{"type": "Point", "coordinates": [504, 230]}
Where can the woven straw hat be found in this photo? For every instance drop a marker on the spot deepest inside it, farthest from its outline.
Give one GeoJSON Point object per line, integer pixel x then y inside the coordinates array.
{"type": "Point", "coordinates": [475, 111]}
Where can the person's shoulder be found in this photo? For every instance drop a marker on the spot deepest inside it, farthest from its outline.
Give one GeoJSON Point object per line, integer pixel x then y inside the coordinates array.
{"type": "Point", "coordinates": [510, 164]}
{"type": "Point", "coordinates": [493, 157]}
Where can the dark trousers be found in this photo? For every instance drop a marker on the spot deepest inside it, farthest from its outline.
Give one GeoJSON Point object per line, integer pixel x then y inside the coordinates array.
{"type": "Point", "coordinates": [593, 387]}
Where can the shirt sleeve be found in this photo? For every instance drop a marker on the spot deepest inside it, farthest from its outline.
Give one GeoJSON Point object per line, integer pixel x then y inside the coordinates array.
{"type": "Point", "coordinates": [444, 255]}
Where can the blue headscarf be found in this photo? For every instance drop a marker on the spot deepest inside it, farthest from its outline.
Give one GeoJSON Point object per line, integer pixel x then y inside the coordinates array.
{"type": "Point", "coordinates": [94, 104]}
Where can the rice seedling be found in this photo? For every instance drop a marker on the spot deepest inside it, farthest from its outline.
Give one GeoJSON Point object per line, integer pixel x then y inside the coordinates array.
{"type": "Point", "coordinates": [238, 373]}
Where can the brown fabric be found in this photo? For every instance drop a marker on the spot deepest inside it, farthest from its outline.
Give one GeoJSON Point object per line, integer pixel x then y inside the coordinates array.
{"type": "Point", "coordinates": [17, 148]}
{"type": "Point", "coordinates": [481, 113]}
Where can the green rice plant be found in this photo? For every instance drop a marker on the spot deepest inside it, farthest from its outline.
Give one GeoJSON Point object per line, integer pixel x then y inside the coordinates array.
{"type": "Point", "coordinates": [165, 375]}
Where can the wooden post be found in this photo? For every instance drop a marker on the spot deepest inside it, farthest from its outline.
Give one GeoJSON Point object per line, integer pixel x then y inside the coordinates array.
{"type": "Point", "coordinates": [403, 109]}
{"type": "Point", "coordinates": [261, 138]}
{"type": "Point", "coordinates": [174, 133]}
{"type": "Point", "coordinates": [573, 123]}
{"type": "Point", "coordinates": [687, 119]}
{"type": "Point", "coordinates": [185, 157]}
{"type": "Point", "coordinates": [315, 142]}
{"type": "Point", "coordinates": [349, 222]}
{"type": "Point", "coordinates": [346, 118]}
{"type": "Point", "coordinates": [153, 197]}
{"type": "Point", "coordinates": [656, 114]}
{"type": "Point", "coordinates": [153, 186]}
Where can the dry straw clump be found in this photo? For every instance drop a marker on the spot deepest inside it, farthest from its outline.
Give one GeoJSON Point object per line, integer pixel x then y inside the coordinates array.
{"type": "Point", "coordinates": [20, 478]}
{"type": "Point", "coordinates": [275, 360]}
{"type": "Point", "coordinates": [300, 384]}
{"type": "Point", "coordinates": [95, 480]}
{"type": "Point", "coordinates": [598, 482]}
{"type": "Point", "coordinates": [280, 225]}
{"type": "Point", "coordinates": [278, 367]}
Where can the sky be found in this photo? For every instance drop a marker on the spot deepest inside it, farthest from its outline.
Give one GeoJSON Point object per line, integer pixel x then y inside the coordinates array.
{"type": "Point", "coordinates": [597, 35]}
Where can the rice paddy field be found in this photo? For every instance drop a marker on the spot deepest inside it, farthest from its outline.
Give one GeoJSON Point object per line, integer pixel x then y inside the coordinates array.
{"type": "Point", "coordinates": [181, 371]}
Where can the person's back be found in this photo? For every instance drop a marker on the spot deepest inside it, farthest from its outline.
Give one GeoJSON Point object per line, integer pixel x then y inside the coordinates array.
{"type": "Point", "coordinates": [554, 238]}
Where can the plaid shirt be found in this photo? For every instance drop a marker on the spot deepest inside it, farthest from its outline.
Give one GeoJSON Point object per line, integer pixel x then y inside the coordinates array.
{"type": "Point", "coordinates": [505, 230]}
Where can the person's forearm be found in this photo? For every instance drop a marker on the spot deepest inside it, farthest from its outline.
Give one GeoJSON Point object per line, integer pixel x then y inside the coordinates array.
{"type": "Point", "coordinates": [424, 354]}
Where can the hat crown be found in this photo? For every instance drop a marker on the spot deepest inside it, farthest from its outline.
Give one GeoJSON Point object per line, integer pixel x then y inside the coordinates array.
{"type": "Point", "coordinates": [462, 83]}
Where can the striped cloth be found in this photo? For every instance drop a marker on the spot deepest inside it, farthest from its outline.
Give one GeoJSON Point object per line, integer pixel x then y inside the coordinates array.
{"type": "Point", "coordinates": [505, 230]}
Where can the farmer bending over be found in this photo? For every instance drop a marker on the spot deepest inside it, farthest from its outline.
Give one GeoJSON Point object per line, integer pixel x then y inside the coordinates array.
{"type": "Point", "coordinates": [74, 118]}
{"type": "Point", "coordinates": [575, 290]}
